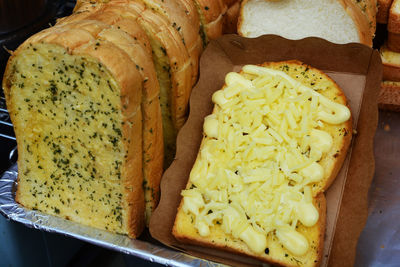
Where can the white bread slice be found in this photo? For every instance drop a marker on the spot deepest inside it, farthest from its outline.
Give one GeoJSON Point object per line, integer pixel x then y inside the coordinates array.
{"type": "Point", "coordinates": [74, 100]}
{"type": "Point", "coordinates": [383, 11]}
{"type": "Point", "coordinates": [236, 197]}
{"type": "Point", "coordinates": [394, 17]}
{"type": "Point", "coordinates": [391, 64]}
{"type": "Point", "coordinates": [187, 25]}
{"type": "Point", "coordinates": [389, 96]}
{"type": "Point", "coordinates": [335, 21]}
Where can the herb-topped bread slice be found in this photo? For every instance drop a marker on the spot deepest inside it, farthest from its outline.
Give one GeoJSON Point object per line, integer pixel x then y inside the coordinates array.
{"type": "Point", "coordinates": [74, 100]}
{"type": "Point", "coordinates": [131, 38]}
{"type": "Point", "coordinates": [275, 141]}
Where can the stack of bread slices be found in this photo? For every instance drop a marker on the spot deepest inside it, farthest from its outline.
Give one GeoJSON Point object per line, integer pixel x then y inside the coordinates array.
{"type": "Point", "coordinates": [97, 101]}
{"type": "Point", "coordinates": [389, 14]}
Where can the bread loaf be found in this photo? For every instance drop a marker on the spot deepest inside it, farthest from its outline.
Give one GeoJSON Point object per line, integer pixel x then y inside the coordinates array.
{"type": "Point", "coordinates": [337, 21]}
{"type": "Point", "coordinates": [273, 144]}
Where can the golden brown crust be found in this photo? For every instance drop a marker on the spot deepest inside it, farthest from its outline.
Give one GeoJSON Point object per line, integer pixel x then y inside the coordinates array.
{"type": "Point", "coordinates": [389, 96]}
{"type": "Point", "coordinates": [391, 64]}
{"type": "Point", "coordinates": [383, 11]}
{"type": "Point", "coordinates": [394, 41]}
{"type": "Point", "coordinates": [231, 18]}
{"type": "Point", "coordinates": [212, 12]}
{"type": "Point", "coordinates": [394, 17]}
{"type": "Point", "coordinates": [187, 26]}
{"type": "Point", "coordinates": [185, 231]}
{"type": "Point", "coordinates": [212, 9]}
{"type": "Point", "coordinates": [365, 24]}
{"type": "Point", "coordinates": [391, 72]}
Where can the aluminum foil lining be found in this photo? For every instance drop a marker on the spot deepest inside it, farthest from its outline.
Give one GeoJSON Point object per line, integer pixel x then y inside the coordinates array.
{"type": "Point", "coordinates": [144, 248]}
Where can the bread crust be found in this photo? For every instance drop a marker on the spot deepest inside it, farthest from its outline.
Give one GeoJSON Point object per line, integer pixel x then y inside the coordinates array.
{"type": "Point", "coordinates": [212, 12]}
{"type": "Point", "coordinates": [179, 62]}
{"type": "Point", "coordinates": [391, 68]}
{"type": "Point", "coordinates": [185, 231]}
{"type": "Point", "coordinates": [187, 26]}
{"type": "Point", "coordinates": [391, 72]}
{"type": "Point", "coordinates": [137, 45]}
{"type": "Point", "coordinates": [394, 41]}
{"type": "Point", "coordinates": [383, 11]}
{"type": "Point", "coordinates": [389, 96]}
{"type": "Point", "coordinates": [231, 18]}
{"type": "Point", "coordinates": [394, 17]}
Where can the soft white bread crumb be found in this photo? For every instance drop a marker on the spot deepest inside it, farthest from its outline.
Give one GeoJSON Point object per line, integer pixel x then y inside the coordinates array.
{"type": "Point", "coordinates": [297, 19]}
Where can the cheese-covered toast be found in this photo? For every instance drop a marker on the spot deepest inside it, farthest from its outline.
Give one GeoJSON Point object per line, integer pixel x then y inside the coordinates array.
{"type": "Point", "coordinates": [273, 144]}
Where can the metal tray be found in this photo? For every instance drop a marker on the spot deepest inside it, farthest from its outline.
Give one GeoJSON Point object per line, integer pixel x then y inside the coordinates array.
{"type": "Point", "coordinates": [379, 243]}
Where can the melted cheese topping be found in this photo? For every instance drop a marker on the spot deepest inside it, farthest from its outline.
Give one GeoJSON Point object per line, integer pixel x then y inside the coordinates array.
{"type": "Point", "coordinates": [259, 158]}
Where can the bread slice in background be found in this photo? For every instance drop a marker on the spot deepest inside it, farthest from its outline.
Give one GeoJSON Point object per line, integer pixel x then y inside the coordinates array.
{"type": "Point", "coordinates": [383, 11]}
{"type": "Point", "coordinates": [389, 96]}
{"type": "Point", "coordinates": [75, 103]}
{"type": "Point", "coordinates": [393, 27]}
{"type": "Point", "coordinates": [220, 210]}
{"type": "Point", "coordinates": [394, 17]}
{"type": "Point", "coordinates": [296, 19]}
{"type": "Point", "coordinates": [391, 64]}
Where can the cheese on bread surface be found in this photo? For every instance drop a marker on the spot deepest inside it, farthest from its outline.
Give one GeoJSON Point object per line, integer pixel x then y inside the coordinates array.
{"type": "Point", "coordinates": [274, 142]}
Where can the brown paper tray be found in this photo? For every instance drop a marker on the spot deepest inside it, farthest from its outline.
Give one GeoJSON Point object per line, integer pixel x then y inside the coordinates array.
{"type": "Point", "coordinates": [355, 67]}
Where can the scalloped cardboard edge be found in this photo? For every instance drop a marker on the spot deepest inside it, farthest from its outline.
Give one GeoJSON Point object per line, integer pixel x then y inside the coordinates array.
{"type": "Point", "coordinates": [355, 67]}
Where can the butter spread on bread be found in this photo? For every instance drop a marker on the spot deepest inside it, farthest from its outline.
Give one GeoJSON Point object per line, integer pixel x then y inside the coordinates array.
{"type": "Point", "coordinates": [76, 108]}
{"type": "Point", "coordinates": [276, 139]}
